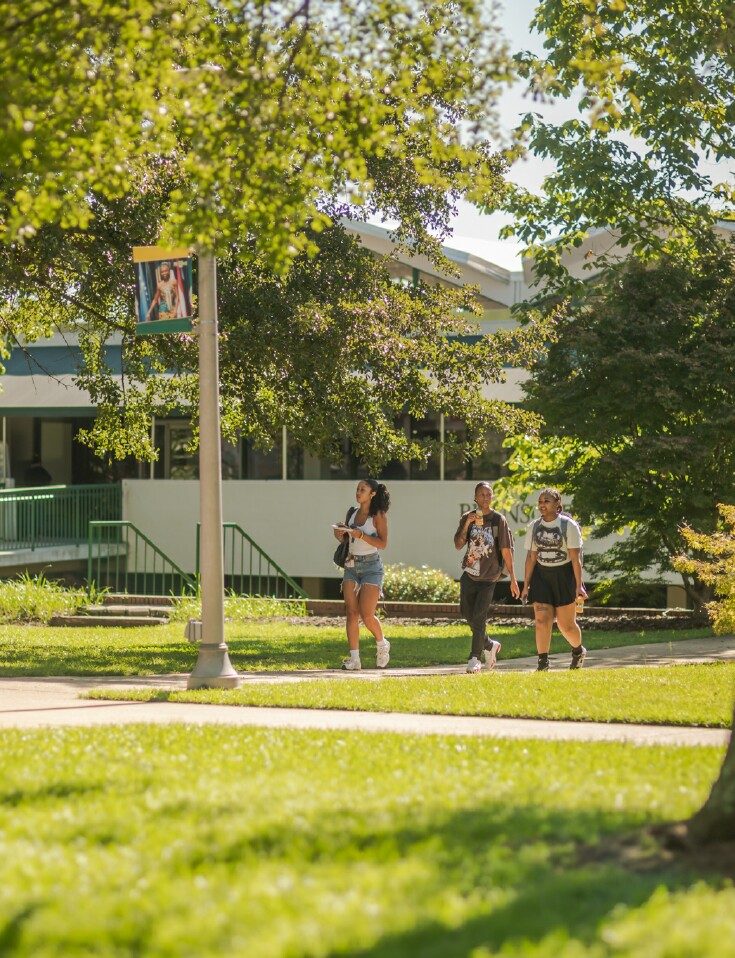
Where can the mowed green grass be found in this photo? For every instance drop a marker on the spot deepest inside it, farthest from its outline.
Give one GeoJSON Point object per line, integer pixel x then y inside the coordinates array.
{"type": "Point", "coordinates": [662, 695]}
{"type": "Point", "coordinates": [198, 841]}
{"type": "Point", "coordinates": [257, 646]}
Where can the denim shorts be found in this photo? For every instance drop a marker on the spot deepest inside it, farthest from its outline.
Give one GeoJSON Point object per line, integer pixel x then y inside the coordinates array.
{"type": "Point", "coordinates": [367, 570]}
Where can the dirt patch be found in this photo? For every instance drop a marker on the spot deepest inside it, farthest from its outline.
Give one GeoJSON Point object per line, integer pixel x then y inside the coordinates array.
{"type": "Point", "coordinates": [661, 846]}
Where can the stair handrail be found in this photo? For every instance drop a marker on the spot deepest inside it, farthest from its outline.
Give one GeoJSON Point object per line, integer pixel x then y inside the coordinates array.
{"type": "Point", "coordinates": [126, 523]}
{"type": "Point", "coordinates": [259, 549]}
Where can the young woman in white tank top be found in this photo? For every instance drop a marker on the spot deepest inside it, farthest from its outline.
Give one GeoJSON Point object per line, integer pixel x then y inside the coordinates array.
{"type": "Point", "coordinates": [362, 584]}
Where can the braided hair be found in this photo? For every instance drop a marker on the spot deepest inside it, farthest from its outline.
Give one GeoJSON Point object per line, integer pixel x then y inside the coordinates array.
{"type": "Point", "coordinates": [552, 494]}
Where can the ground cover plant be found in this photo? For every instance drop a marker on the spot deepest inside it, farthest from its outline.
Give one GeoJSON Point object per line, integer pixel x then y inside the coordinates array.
{"type": "Point", "coordinates": [257, 646]}
{"type": "Point", "coordinates": [203, 841]}
{"type": "Point", "coordinates": [239, 607]}
{"type": "Point", "coordinates": [29, 598]}
{"type": "Point", "coordinates": [665, 695]}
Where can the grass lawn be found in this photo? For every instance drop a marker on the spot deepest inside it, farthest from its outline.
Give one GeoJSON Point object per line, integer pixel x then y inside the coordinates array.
{"type": "Point", "coordinates": [663, 695]}
{"type": "Point", "coordinates": [257, 646]}
{"type": "Point", "coordinates": [193, 841]}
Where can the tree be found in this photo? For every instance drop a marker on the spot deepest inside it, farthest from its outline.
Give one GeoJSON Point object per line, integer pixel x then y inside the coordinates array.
{"type": "Point", "coordinates": [265, 108]}
{"type": "Point", "coordinates": [264, 128]}
{"type": "Point", "coordinates": [637, 394]}
{"type": "Point", "coordinates": [634, 163]}
{"type": "Point", "coordinates": [715, 821]}
{"type": "Point", "coordinates": [645, 159]}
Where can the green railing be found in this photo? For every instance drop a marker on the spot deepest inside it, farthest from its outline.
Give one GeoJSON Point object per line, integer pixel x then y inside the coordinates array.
{"type": "Point", "coordinates": [123, 559]}
{"type": "Point", "coordinates": [54, 515]}
{"type": "Point", "coordinates": [251, 571]}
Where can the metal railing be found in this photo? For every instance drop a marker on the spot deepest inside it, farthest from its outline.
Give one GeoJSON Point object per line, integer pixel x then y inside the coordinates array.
{"type": "Point", "coordinates": [54, 515]}
{"type": "Point", "coordinates": [249, 570]}
{"type": "Point", "coordinates": [123, 559]}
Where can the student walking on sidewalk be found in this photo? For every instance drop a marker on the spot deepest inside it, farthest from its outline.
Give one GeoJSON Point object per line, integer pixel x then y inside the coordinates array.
{"type": "Point", "coordinates": [362, 585]}
{"type": "Point", "coordinates": [553, 577]}
{"type": "Point", "coordinates": [488, 544]}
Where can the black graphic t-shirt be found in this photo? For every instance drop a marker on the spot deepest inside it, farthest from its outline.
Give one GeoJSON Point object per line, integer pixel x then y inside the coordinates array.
{"type": "Point", "coordinates": [547, 540]}
{"type": "Point", "coordinates": [481, 559]}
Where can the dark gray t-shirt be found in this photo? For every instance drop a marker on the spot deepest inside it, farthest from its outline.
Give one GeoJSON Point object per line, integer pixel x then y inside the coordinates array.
{"type": "Point", "coordinates": [482, 559]}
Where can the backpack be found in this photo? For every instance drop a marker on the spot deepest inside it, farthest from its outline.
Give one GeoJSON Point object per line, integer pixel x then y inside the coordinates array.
{"type": "Point", "coordinates": [564, 521]}
{"type": "Point", "coordinates": [343, 549]}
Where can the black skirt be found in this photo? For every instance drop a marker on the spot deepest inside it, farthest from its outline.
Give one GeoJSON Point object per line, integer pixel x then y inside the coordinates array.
{"type": "Point", "coordinates": [553, 585]}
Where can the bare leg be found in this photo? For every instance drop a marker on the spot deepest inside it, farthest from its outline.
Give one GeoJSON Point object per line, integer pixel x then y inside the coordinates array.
{"type": "Point", "coordinates": [566, 619]}
{"type": "Point", "coordinates": [352, 611]}
{"type": "Point", "coordinates": [368, 602]}
{"type": "Point", "coordinates": [544, 616]}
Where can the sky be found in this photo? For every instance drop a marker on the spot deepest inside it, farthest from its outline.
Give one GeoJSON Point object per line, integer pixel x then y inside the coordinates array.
{"type": "Point", "coordinates": [472, 231]}
{"type": "Point", "coordinates": [476, 233]}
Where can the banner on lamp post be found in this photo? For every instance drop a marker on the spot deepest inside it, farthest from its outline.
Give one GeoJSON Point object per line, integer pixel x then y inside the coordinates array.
{"type": "Point", "coordinates": [164, 301]}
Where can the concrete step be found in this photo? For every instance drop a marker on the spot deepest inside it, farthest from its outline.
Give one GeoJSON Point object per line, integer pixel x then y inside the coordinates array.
{"type": "Point", "coordinates": [139, 610]}
{"type": "Point", "coordinates": [88, 621]}
{"type": "Point", "coordinates": [122, 598]}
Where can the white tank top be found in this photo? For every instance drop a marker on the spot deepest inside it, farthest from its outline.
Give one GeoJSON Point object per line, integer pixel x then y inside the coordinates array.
{"type": "Point", "coordinates": [361, 547]}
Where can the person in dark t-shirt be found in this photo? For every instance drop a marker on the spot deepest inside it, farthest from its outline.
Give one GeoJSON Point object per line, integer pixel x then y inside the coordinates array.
{"type": "Point", "coordinates": [484, 535]}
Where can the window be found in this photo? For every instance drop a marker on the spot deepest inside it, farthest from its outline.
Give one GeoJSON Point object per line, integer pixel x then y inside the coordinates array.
{"type": "Point", "coordinates": [171, 438]}
{"type": "Point", "coordinates": [257, 464]}
{"type": "Point", "coordinates": [425, 429]}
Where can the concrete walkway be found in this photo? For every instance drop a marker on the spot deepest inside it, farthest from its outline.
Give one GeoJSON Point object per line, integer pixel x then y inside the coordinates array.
{"type": "Point", "coordinates": [34, 702]}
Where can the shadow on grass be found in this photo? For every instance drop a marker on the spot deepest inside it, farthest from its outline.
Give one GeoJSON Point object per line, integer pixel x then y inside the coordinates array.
{"type": "Point", "coordinates": [40, 651]}
{"type": "Point", "coordinates": [531, 862]}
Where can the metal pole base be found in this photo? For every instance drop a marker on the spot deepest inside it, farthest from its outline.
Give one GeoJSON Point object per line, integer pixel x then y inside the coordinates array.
{"type": "Point", "coordinates": [213, 669]}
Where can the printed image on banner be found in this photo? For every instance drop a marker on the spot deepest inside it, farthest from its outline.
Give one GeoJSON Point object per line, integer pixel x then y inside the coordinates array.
{"type": "Point", "coordinates": [164, 300]}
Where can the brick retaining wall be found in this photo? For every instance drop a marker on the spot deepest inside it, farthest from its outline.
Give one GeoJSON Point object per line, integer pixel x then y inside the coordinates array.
{"type": "Point", "coordinates": [599, 617]}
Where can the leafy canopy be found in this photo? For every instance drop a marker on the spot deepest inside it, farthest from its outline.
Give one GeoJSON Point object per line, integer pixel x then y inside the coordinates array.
{"type": "Point", "coordinates": [637, 394]}
{"type": "Point", "coordinates": [254, 129]}
{"type": "Point", "coordinates": [265, 108]}
{"type": "Point", "coordinates": [650, 155]}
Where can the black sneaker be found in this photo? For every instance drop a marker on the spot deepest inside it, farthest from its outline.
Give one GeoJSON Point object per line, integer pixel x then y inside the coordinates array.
{"type": "Point", "coordinates": [543, 663]}
{"type": "Point", "coordinates": [578, 657]}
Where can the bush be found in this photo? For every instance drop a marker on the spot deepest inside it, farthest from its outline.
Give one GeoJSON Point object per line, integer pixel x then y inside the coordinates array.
{"type": "Point", "coordinates": [405, 583]}
{"type": "Point", "coordinates": [628, 593]}
{"type": "Point", "coordinates": [717, 570]}
{"type": "Point", "coordinates": [36, 599]}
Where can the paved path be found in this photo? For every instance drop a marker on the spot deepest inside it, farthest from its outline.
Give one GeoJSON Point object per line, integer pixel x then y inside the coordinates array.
{"type": "Point", "coordinates": [33, 702]}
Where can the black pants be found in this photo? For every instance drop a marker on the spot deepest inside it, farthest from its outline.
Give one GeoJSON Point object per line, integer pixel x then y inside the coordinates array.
{"type": "Point", "coordinates": [474, 603]}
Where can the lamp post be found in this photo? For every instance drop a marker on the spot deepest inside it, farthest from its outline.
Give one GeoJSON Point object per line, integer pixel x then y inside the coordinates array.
{"type": "Point", "coordinates": [213, 668]}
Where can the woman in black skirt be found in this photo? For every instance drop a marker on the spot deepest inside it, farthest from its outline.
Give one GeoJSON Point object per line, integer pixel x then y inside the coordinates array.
{"type": "Point", "coordinates": [553, 577]}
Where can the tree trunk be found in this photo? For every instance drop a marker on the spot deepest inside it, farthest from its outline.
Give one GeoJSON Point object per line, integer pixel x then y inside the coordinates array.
{"type": "Point", "coordinates": [697, 592]}
{"type": "Point", "coordinates": [715, 821]}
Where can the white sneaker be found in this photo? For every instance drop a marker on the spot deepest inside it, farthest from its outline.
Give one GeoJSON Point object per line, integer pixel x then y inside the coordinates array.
{"type": "Point", "coordinates": [383, 654]}
{"type": "Point", "coordinates": [492, 648]}
{"type": "Point", "coordinates": [352, 665]}
{"type": "Point", "coordinates": [474, 665]}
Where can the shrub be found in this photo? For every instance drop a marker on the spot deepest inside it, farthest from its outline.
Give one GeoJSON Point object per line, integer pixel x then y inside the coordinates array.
{"type": "Point", "coordinates": [405, 583]}
{"type": "Point", "coordinates": [36, 599]}
{"type": "Point", "coordinates": [717, 570]}
{"type": "Point", "coordinates": [628, 593]}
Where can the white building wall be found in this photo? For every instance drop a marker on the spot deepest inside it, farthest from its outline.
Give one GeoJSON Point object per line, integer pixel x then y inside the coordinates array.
{"type": "Point", "coordinates": [291, 520]}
